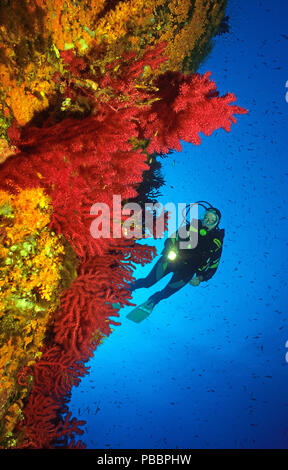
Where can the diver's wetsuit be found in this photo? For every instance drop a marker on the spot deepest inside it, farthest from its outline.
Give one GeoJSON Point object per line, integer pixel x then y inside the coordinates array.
{"type": "Point", "coordinates": [202, 260]}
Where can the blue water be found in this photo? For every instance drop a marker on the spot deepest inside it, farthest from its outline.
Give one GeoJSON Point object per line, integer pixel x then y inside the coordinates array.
{"type": "Point", "coordinates": [207, 369]}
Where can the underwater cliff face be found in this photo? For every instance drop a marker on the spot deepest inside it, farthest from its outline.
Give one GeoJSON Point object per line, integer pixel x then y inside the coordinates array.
{"type": "Point", "coordinates": [86, 91]}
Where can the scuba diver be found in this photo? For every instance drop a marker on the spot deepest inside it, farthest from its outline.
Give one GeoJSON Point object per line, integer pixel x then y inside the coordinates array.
{"type": "Point", "coordinates": [201, 261]}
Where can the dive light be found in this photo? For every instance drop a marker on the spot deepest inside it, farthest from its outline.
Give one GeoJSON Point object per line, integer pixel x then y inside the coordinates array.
{"type": "Point", "coordinates": [172, 255]}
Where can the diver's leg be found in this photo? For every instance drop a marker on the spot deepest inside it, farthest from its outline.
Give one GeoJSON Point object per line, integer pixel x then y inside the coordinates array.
{"type": "Point", "coordinates": [157, 272]}
{"type": "Point", "coordinates": [176, 283]}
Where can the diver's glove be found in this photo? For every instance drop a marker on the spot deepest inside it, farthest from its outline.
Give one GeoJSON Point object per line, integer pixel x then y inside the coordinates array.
{"type": "Point", "coordinates": [196, 281]}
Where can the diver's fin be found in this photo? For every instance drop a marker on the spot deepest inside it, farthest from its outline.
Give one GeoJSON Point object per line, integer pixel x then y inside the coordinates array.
{"type": "Point", "coordinates": [140, 313]}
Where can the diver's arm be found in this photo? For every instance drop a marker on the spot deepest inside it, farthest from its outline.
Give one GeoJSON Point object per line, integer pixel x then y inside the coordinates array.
{"type": "Point", "coordinates": [211, 269]}
{"type": "Point", "coordinates": [182, 234]}
{"type": "Point", "coordinates": [169, 243]}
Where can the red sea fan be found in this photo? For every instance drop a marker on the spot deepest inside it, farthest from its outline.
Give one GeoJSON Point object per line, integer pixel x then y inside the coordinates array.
{"type": "Point", "coordinates": [57, 372]}
{"type": "Point", "coordinates": [74, 184]}
{"type": "Point", "coordinates": [189, 105]}
{"type": "Point", "coordinates": [74, 64]}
